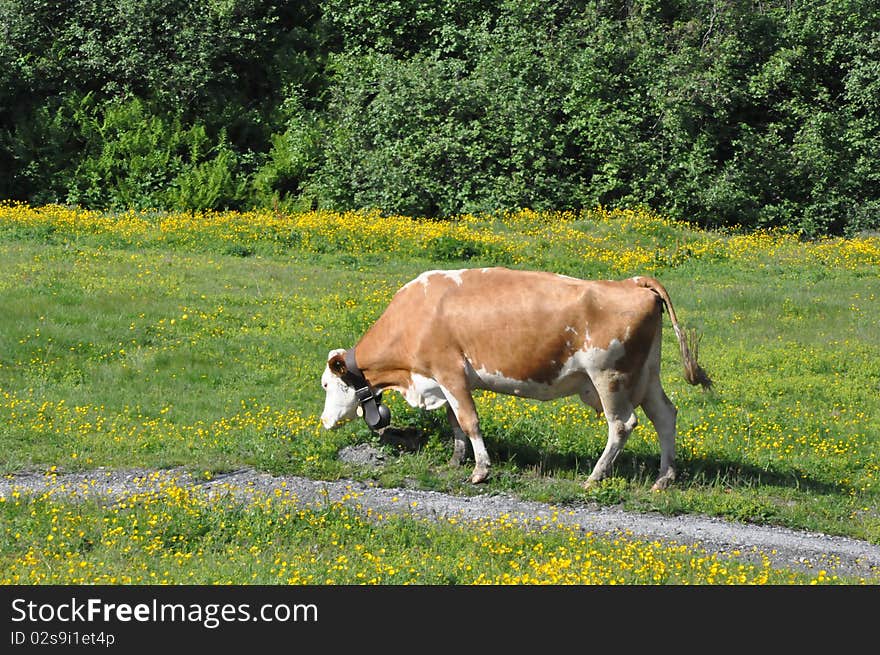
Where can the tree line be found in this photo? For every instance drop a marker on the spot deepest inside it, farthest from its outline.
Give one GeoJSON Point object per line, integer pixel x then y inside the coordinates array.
{"type": "Point", "coordinates": [719, 112]}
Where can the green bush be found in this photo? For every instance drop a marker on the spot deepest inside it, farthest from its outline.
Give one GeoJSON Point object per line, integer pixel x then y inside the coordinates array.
{"type": "Point", "coordinates": [720, 114]}
{"type": "Point", "coordinates": [281, 180]}
{"type": "Point", "coordinates": [448, 248]}
{"type": "Point", "coordinates": [135, 159]}
{"type": "Point", "coordinates": [717, 114]}
{"type": "Point", "coordinates": [209, 184]}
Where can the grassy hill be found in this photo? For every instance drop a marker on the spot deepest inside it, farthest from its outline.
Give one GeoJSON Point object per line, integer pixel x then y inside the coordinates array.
{"type": "Point", "coordinates": [156, 340]}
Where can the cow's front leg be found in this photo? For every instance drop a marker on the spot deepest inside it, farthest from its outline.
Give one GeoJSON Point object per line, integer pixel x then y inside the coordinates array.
{"type": "Point", "coordinates": [465, 414]}
{"type": "Point", "coordinates": [459, 444]}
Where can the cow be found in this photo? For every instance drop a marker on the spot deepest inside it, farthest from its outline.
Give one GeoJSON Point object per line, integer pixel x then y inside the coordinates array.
{"type": "Point", "coordinates": [532, 334]}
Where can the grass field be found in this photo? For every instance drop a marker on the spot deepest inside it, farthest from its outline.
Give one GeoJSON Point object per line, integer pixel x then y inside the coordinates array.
{"type": "Point", "coordinates": [150, 339]}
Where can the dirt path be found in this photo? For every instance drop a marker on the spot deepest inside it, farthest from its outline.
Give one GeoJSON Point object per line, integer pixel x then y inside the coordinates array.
{"type": "Point", "coordinates": [784, 547]}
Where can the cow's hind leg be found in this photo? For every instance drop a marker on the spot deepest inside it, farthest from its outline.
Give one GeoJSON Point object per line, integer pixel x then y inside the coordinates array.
{"type": "Point", "coordinates": [465, 414]}
{"type": "Point", "coordinates": [459, 445]}
{"type": "Point", "coordinates": [662, 413]}
{"type": "Point", "coordinates": [621, 418]}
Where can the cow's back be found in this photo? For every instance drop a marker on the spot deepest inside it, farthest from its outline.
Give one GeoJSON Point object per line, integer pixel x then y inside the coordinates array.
{"type": "Point", "coordinates": [522, 324]}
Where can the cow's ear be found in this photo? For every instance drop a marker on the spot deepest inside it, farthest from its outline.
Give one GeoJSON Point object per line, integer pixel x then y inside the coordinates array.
{"type": "Point", "coordinates": [337, 364]}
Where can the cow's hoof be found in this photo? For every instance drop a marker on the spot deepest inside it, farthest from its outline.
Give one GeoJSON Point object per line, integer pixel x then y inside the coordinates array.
{"type": "Point", "coordinates": [479, 476]}
{"type": "Point", "coordinates": [664, 480]}
{"type": "Point", "coordinates": [660, 485]}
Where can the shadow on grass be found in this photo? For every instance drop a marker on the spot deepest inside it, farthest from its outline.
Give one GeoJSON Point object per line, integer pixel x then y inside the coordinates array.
{"type": "Point", "coordinates": [702, 471]}
{"type": "Point", "coordinates": [689, 471]}
{"type": "Point", "coordinates": [406, 439]}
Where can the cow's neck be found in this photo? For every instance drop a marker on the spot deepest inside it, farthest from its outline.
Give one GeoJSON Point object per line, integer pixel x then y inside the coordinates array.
{"type": "Point", "coordinates": [380, 368]}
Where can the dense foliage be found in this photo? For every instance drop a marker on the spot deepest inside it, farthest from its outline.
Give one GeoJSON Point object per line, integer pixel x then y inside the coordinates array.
{"type": "Point", "coordinates": [719, 112]}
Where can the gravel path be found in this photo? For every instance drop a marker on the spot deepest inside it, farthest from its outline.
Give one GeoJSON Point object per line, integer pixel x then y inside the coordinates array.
{"type": "Point", "coordinates": [784, 547]}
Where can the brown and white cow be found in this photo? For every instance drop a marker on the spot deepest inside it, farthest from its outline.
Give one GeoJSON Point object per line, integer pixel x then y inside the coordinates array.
{"type": "Point", "coordinates": [531, 334]}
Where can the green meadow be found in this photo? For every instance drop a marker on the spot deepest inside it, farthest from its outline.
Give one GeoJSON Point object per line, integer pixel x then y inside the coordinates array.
{"type": "Point", "coordinates": [198, 340]}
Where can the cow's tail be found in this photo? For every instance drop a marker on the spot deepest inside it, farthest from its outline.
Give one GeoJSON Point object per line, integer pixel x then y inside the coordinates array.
{"type": "Point", "coordinates": [688, 341]}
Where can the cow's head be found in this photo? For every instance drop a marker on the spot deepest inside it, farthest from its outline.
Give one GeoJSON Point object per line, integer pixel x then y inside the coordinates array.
{"type": "Point", "coordinates": [341, 403]}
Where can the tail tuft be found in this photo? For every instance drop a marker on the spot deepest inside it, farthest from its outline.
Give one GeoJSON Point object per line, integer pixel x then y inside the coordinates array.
{"type": "Point", "coordinates": [688, 342]}
{"type": "Point", "coordinates": [693, 372]}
